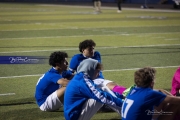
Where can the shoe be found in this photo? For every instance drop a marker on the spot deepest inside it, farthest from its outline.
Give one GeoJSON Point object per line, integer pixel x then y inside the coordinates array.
{"type": "Point", "coordinates": [100, 11]}
{"type": "Point", "coordinates": [105, 108]}
{"type": "Point", "coordinates": [177, 94]}
{"type": "Point", "coordinates": [118, 11]}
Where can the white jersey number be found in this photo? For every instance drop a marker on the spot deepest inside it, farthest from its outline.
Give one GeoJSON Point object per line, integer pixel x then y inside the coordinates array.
{"type": "Point", "coordinates": [40, 78]}
{"type": "Point", "coordinates": [129, 104]}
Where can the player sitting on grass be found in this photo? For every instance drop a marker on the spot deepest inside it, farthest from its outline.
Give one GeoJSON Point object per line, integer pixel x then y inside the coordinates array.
{"type": "Point", "coordinates": [86, 48]}
{"type": "Point", "coordinates": [82, 98]}
{"type": "Point", "coordinates": [144, 103]}
{"type": "Point", "coordinates": [50, 87]}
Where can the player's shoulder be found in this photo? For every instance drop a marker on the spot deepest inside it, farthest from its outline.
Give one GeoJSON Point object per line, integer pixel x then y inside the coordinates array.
{"type": "Point", "coordinates": [151, 94]}
{"type": "Point", "coordinates": [77, 56]}
{"type": "Point", "coordinates": [97, 53]}
{"type": "Point", "coordinates": [52, 73]}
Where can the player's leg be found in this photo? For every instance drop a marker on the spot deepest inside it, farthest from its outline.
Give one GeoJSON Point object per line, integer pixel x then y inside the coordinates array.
{"type": "Point", "coordinates": [54, 101]}
{"type": "Point", "coordinates": [114, 86]}
{"type": "Point", "coordinates": [177, 116]}
{"type": "Point", "coordinates": [96, 5]}
{"type": "Point", "coordinates": [110, 84]}
{"type": "Point", "coordinates": [119, 6]}
{"type": "Point", "coordinates": [115, 108]}
{"type": "Point", "coordinates": [89, 108]}
{"type": "Point", "coordinates": [60, 94]}
{"type": "Point", "coordinates": [99, 5]}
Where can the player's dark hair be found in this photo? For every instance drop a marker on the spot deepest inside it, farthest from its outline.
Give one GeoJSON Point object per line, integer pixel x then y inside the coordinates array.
{"type": "Point", "coordinates": [99, 66]}
{"type": "Point", "coordinates": [85, 44]}
{"type": "Point", "coordinates": [144, 77]}
{"type": "Point", "coordinates": [57, 57]}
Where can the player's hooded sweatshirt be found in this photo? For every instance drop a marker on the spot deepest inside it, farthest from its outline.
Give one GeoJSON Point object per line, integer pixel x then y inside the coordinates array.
{"type": "Point", "coordinates": [81, 88]}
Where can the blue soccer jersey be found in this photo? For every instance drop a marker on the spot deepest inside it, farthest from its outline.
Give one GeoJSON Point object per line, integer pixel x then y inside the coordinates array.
{"type": "Point", "coordinates": [139, 104]}
{"type": "Point", "coordinates": [79, 90]}
{"type": "Point", "coordinates": [46, 85]}
{"type": "Point", "coordinates": [78, 58]}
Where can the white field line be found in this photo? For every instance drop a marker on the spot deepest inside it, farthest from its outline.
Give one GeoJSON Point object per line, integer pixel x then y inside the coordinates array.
{"type": "Point", "coordinates": [37, 50]}
{"type": "Point", "coordinates": [144, 34]}
{"type": "Point", "coordinates": [21, 76]}
{"type": "Point", "coordinates": [139, 68]}
{"type": "Point", "coordinates": [88, 28]}
{"type": "Point", "coordinates": [7, 94]}
{"type": "Point", "coordinates": [115, 70]}
{"type": "Point", "coordinates": [152, 45]}
{"type": "Point", "coordinates": [56, 37]}
{"type": "Point", "coordinates": [75, 27]}
{"type": "Point", "coordinates": [172, 39]}
{"type": "Point", "coordinates": [67, 49]}
{"type": "Point", "coordinates": [96, 48]}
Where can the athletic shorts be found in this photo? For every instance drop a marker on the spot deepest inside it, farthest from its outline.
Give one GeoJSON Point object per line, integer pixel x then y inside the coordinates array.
{"type": "Point", "coordinates": [52, 103]}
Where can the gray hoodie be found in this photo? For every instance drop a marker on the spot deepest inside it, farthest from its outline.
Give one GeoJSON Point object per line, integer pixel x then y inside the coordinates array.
{"type": "Point", "coordinates": [88, 67]}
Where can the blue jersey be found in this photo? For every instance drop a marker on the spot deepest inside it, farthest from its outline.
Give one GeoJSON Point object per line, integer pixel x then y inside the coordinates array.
{"type": "Point", "coordinates": [79, 90]}
{"type": "Point", "coordinates": [139, 104]}
{"type": "Point", "coordinates": [78, 58]}
{"type": "Point", "coordinates": [46, 85]}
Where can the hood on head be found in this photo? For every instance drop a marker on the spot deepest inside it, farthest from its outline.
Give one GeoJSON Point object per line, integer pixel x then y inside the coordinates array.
{"type": "Point", "coordinates": [88, 66]}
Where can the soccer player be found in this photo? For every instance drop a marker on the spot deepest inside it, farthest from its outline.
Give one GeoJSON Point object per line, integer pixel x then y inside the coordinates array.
{"type": "Point", "coordinates": [119, 6]}
{"type": "Point", "coordinates": [86, 48]}
{"type": "Point", "coordinates": [50, 87]}
{"type": "Point", "coordinates": [97, 6]}
{"type": "Point", "coordinates": [144, 103]}
{"type": "Point", "coordinates": [175, 90]}
{"type": "Point", "coordinates": [82, 98]}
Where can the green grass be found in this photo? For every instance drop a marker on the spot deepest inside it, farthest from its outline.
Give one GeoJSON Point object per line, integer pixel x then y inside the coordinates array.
{"type": "Point", "coordinates": [129, 40]}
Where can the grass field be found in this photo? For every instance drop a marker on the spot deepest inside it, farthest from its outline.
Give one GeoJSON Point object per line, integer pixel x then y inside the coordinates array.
{"type": "Point", "coordinates": [132, 39]}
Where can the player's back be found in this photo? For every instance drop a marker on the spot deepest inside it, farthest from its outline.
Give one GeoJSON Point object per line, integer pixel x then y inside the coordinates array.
{"type": "Point", "coordinates": [138, 105]}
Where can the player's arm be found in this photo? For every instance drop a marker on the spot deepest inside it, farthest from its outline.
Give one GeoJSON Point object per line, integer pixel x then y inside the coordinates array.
{"type": "Point", "coordinates": [165, 92]}
{"type": "Point", "coordinates": [63, 82]}
{"type": "Point", "coordinates": [68, 74]}
{"type": "Point", "coordinates": [172, 100]}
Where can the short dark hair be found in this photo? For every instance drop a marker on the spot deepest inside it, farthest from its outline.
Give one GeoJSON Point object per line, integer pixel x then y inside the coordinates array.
{"type": "Point", "coordinates": [99, 66]}
{"type": "Point", "coordinates": [57, 57]}
{"type": "Point", "coordinates": [144, 77]}
{"type": "Point", "coordinates": [85, 44]}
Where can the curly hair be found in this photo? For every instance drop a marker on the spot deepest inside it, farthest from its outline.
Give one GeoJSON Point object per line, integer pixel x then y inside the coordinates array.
{"type": "Point", "coordinates": [57, 57]}
{"type": "Point", "coordinates": [85, 44]}
{"type": "Point", "coordinates": [144, 77]}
